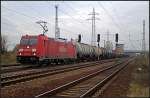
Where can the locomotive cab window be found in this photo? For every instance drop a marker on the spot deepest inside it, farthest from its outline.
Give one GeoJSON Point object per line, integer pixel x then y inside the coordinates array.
{"type": "Point", "coordinates": [31, 41]}
{"type": "Point", "coordinates": [24, 41]}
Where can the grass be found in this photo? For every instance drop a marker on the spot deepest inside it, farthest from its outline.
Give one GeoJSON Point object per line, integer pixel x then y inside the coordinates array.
{"type": "Point", "coordinates": [139, 86]}
{"type": "Point", "coordinates": [137, 90]}
{"type": "Point", "coordinates": [8, 58]}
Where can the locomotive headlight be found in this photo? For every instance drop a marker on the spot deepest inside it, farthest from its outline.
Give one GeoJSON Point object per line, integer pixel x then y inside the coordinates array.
{"type": "Point", "coordinates": [33, 50]}
{"type": "Point", "coordinates": [20, 50]}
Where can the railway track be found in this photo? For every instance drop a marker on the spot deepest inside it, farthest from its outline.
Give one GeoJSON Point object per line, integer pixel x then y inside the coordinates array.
{"type": "Point", "coordinates": [17, 67]}
{"type": "Point", "coordinates": [86, 86]}
{"type": "Point", "coordinates": [6, 81]}
{"type": "Point", "coordinates": [14, 68]}
{"type": "Point", "coordinates": [10, 65]}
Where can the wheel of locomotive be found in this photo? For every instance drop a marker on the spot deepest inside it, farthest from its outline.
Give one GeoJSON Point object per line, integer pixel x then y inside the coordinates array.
{"type": "Point", "coordinates": [59, 62]}
{"type": "Point", "coordinates": [45, 63]}
{"type": "Point", "coordinates": [67, 61]}
{"type": "Point", "coordinates": [56, 61]}
{"type": "Point", "coordinates": [74, 61]}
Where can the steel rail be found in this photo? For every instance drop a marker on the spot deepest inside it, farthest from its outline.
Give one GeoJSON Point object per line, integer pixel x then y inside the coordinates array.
{"type": "Point", "coordinates": [13, 69]}
{"type": "Point", "coordinates": [8, 65]}
{"type": "Point", "coordinates": [38, 72]}
{"type": "Point", "coordinates": [99, 85]}
{"type": "Point", "coordinates": [23, 78]}
{"type": "Point", "coordinates": [75, 82]}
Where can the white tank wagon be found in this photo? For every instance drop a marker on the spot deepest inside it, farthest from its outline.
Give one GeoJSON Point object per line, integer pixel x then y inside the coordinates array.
{"type": "Point", "coordinates": [87, 51]}
{"type": "Point", "coordinates": [105, 53]}
{"type": "Point", "coordinates": [97, 51]}
{"type": "Point", "coordinates": [84, 50]}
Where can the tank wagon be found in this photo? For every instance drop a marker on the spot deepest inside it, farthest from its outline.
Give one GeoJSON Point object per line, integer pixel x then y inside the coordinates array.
{"type": "Point", "coordinates": [42, 49]}
{"type": "Point", "coordinates": [87, 52]}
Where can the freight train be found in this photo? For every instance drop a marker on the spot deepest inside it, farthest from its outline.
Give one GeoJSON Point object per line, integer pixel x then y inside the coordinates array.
{"type": "Point", "coordinates": [42, 49]}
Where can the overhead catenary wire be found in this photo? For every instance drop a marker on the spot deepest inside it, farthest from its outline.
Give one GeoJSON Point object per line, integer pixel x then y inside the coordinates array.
{"type": "Point", "coordinates": [68, 6]}
{"type": "Point", "coordinates": [65, 13]}
{"type": "Point", "coordinates": [79, 22]}
{"type": "Point", "coordinates": [64, 29]}
{"type": "Point", "coordinates": [109, 16]}
{"type": "Point", "coordinates": [132, 45]}
{"type": "Point", "coordinates": [10, 28]}
{"type": "Point", "coordinates": [30, 17]}
{"type": "Point", "coordinates": [73, 18]}
{"type": "Point", "coordinates": [34, 10]}
{"type": "Point", "coordinates": [21, 13]}
{"type": "Point", "coordinates": [79, 15]}
{"type": "Point", "coordinates": [114, 21]}
{"type": "Point", "coordinates": [73, 10]}
{"type": "Point", "coordinates": [116, 14]}
{"type": "Point", "coordinates": [114, 10]}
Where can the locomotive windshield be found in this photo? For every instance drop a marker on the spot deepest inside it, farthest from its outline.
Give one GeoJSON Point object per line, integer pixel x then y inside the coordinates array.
{"type": "Point", "coordinates": [31, 41]}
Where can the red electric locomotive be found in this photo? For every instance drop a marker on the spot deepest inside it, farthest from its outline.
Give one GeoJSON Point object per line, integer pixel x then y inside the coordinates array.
{"type": "Point", "coordinates": [41, 49]}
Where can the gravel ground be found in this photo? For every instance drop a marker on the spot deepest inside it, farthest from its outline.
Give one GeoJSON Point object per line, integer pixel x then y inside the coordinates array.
{"type": "Point", "coordinates": [37, 86]}
{"type": "Point", "coordinates": [120, 86]}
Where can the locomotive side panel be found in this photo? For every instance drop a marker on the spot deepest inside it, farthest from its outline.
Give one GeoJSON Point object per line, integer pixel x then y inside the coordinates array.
{"type": "Point", "coordinates": [51, 48]}
{"type": "Point", "coordinates": [42, 46]}
{"type": "Point", "coordinates": [61, 50]}
{"type": "Point", "coordinates": [71, 51]}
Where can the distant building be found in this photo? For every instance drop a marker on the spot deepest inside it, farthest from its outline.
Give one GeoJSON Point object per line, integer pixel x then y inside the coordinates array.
{"type": "Point", "coordinates": [119, 49]}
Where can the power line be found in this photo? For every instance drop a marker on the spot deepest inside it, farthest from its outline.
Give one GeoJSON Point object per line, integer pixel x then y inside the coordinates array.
{"type": "Point", "coordinates": [65, 13]}
{"type": "Point", "coordinates": [72, 9]}
{"type": "Point", "coordinates": [34, 10]}
{"type": "Point", "coordinates": [109, 15]}
{"type": "Point", "coordinates": [71, 17]}
{"type": "Point", "coordinates": [31, 17]}
{"type": "Point", "coordinates": [131, 42]}
{"type": "Point", "coordinates": [17, 25]}
{"type": "Point", "coordinates": [114, 10]}
{"type": "Point", "coordinates": [60, 27]}
{"type": "Point", "coordinates": [115, 22]}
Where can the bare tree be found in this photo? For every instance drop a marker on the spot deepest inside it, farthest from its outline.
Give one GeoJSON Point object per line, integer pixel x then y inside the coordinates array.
{"type": "Point", "coordinates": [4, 42]}
{"type": "Point", "coordinates": [15, 48]}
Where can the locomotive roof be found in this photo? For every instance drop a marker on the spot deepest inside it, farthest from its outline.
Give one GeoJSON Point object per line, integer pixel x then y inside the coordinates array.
{"type": "Point", "coordinates": [60, 39]}
{"type": "Point", "coordinates": [29, 36]}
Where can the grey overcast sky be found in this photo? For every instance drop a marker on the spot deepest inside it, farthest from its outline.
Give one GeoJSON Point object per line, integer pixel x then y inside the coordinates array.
{"type": "Point", "coordinates": [124, 17]}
